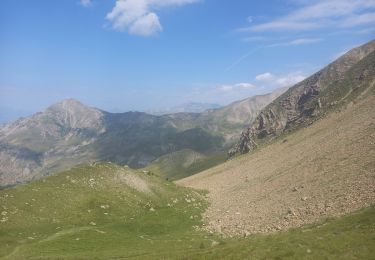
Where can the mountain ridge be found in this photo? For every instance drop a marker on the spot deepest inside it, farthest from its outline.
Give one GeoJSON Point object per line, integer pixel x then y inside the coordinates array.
{"type": "Point", "coordinates": [317, 163]}
{"type": "Point", "coordinates": [307, 100]}
{"type": "Point", "coordinates": [189, 107]}
{"type": "Point", "coordinates": [69, 133]}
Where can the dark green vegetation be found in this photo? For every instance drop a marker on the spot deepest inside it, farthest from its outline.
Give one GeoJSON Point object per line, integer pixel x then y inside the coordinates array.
{"type": "Point", "coordinates": [106, 211]}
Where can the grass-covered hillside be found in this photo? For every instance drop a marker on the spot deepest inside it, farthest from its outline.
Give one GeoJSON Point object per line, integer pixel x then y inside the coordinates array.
{"type": "Point", "coordinates": [109, 212]}
{"type": "Point", "coordinates": [98, 211]}
{"type": "Point", "coordinates": [184, 163]}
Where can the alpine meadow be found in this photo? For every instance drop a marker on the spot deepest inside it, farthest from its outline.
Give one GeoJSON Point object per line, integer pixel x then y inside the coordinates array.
{"type": "Point", "coordinates": [187, 129]}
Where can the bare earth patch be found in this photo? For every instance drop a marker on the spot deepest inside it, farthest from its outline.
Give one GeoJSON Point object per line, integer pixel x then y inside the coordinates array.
{"type": "Point", "coordinates": [327, 169]}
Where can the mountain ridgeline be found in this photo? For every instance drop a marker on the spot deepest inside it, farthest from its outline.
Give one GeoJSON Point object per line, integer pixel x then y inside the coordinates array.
{"type": "Point", "coordinates": [70, 133]}
{"type": "Point", "coordinates": [335, 85]}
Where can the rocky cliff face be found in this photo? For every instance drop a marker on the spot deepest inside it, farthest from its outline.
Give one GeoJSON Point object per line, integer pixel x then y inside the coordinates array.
{"type": "Point", "coordinates": [311, 97]}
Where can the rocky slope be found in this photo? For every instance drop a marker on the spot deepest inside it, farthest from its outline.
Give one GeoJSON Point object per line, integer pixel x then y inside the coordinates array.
{"type": "Point", "coordinates": [311, 98]}
{"type": "Point", "coordinates": [323, 170]}
{"type": "Point", "coordinates": [70, 133]}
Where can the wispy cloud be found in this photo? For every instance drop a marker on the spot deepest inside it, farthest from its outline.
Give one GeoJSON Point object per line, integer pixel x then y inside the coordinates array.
{"type": "Point", "coordinates": [367, 31]}
{"type": "Point", "coordinates": [296, 42]}
{"type": "Point", "coordinates": [242, 58]}
{"type": "Point", "coordinates": [320, 13]}
{"type": "Point", "coordinates": [301, 41]}
{"type": "Point", "coordinates": [138, 16]}
{"type": "Point", "coordinates": [356, 20]}
{"type": "Point", "coordinates": [86, 3]}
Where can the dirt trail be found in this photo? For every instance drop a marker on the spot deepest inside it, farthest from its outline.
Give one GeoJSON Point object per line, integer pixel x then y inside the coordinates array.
{"type": "Point", "coordinates": [327, 169]}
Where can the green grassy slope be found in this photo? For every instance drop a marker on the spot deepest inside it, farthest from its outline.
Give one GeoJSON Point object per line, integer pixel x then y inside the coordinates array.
{"type": "Point", "coordinates": [98, 211]}
{"type": "Point", "coordinates": [106, 211]}
{"type": "Point", "coordinates": [351, 237]}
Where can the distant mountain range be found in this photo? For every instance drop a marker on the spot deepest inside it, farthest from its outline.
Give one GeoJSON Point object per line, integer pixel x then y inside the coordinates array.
{"type": "Point", "coordinates": [69, 133]}
{"type": "Point", "coordinates": [190, 107]}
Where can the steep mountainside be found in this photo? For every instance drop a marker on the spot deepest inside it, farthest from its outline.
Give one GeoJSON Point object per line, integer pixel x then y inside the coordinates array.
{"type": "Point", "coordinates": [312, 98]}
{"type": "Point", "coordinates": [243, 111]}
{"type": "Point", "coordinates": [70, 133]}
{"type": "Point", "coordinates": [323, 170]}
{"type": "Point", "coordinates": [230, 119]}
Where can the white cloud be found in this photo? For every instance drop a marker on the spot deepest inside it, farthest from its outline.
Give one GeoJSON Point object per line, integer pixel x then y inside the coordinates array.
{"type": "Point", "coordinates": [226, 88]}
{"type": "Point", "coordinates": [282, 25]}
{"type": "Point", "coordinates": [280, 80]}
{"type": "Point", "coordinates": [289, 80]}
{"type": "Point", "coordinates": [146, 25]}
{"type": "Point", "coordinates": [320, 13]}
{"type": "Point", "coordinates": [356, 20]}
{"type": "Point", "coordinates": [138, 16]}
{"type": "Point", "coordinates": [86, 3]}
{"type": "Point", "coordinates": [305, 41]}
{"type": "Point", "coordinates": [236, 87]}
{"type": "Point", "coordinates": [265, 77]}
{"type": "Point", "coordinates": [245, 85]}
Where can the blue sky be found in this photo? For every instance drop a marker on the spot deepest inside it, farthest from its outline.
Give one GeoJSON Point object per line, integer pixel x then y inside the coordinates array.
{"type": "Point", "coordinates": [146, 54]}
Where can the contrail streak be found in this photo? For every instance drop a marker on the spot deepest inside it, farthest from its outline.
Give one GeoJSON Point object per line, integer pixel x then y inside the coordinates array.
{"type": "Point", "coordinates": [241, 59]}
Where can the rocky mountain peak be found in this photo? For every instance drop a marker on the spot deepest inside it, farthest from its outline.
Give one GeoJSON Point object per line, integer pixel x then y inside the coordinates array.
{"type": "Point", "coordinates": [69, 105]}
{"type": "Point", "coordinates": [73, 114]}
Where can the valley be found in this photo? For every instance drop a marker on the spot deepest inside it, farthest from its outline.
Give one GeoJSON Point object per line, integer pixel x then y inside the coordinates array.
{"type": "Point", "coordinates": [285, 175]}
{"type": "Point", "coordinates": [70, 133]}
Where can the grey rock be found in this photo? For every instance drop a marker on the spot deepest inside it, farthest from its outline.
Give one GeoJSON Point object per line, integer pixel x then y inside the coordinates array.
{"type": "Point", "coordinates": [310, 98]}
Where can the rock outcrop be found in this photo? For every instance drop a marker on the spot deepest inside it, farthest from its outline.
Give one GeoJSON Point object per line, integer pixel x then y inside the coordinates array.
{"type": "Point", "coordinates": [309, 98]}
